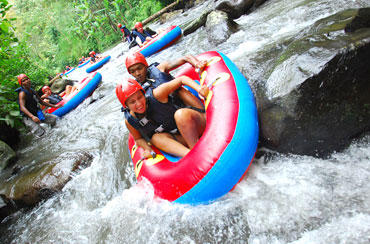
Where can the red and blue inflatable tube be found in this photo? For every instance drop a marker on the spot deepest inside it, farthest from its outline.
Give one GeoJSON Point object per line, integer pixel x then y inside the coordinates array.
{"type": "Point", "coordinates": [223, 154]}
{"type": "Point", "coordinates": [162, 41]}
{"type": "Point", "coordinates": [84, 89]}
{"type": "Point", "coordinates": [98, 64]}
{"type": "Point", "coordinates": [69, 71]}
{"type": "Point", "coordinates": [84, 63]}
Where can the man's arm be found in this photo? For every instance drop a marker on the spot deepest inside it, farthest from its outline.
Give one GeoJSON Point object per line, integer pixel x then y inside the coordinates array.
{"type": "Point", "coordinates": [167, 66]}
{"type": "Point", "coordinates": [46, 103]}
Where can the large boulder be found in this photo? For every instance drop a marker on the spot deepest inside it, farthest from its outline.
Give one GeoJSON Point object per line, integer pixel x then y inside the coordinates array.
{"type": "Point", "coordinates": [233, 8]}
{"type": "Point", "coordinates": [237, 8]}
{"type": "Point", "coordinates": [9, 135]}
{"type": "Point", "coordinates": [170, 15]}
{"type": "Point", "coordinates": [219, 27]}
{"type": "Point", "coordinates": [324, 101]}
{"type": "Point", "coordinates": [27, 186]}
{"type": "Point", "coordinates": [60, 84]}
{"type": "Point", "coordinates": [7, 155]}
{"type": "Point", "coordinates": [195, 24]}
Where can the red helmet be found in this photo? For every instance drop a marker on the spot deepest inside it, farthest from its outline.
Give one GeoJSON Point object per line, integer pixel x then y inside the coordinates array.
{"type": "Point", "coordinates": [20, 77]}
{"type": "Point", "coordinates": [135, 58]}
{"type": "Point", "coordinates": [127, 88]}
{"type": "Point", "coordinates": [138, 25]}
{"type": "Point", "coordinates": [44, 88]}
{"type": "Point", "coordinates": [119, 25]}
{"type": "Point", "coordinates": [80, 59]}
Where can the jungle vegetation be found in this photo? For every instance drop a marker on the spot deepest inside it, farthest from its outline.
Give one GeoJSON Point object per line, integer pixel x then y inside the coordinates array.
{"type": "Point", "coordinates": [41, 37]}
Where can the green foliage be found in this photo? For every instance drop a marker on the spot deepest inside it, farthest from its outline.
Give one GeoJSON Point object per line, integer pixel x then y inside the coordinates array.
{"type": "Point", "coordinates": [14, 59]}
{"type": "Point", "coordinates": [47, 35]}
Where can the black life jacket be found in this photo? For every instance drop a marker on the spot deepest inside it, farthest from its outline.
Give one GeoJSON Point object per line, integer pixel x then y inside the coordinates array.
{"type": "Point", "coordinates": [155, 77]}
{"type": "Point", "coordinates": [54, 98]}
{"type": "Point", "coordinates": [93, 59]}
{"type": "Point", "coordinates": [31, 101]}
{"type": "Point", "coordinates": [127, 33]}
{"type": "Point", "coordinates": [159, 117]}
{"type": "Point", "coordinates": [142, 36]}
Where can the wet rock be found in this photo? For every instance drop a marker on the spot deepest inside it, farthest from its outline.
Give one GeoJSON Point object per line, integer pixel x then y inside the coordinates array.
{"type": "Point", "coordinates": [323, 103]}
{"type": "Point", "coordinates": [362, 20]}
{"type": "Point", "coordinates": [9, 135]}
{"type": "Point", "coordinates": [233, 9]}
{"type": "Point", "coordinates": [7, 155]}
{"type": "Point", "coordinates": [219, 27]}
{"type": "Point", "coordinates": [237, 8]}
{"type": "Point", "coordinates": [60, 84]}
{"type": "Point", "coordinates": [30, 185]}
{"type": "Point", "coordinates": [187, 4]}
{"type": "Point", "coordinates": [195, 24]}
{"type": "Point", "coordinates": [6, 208]}
{"type": "Point", "coordinates": [169, 16]}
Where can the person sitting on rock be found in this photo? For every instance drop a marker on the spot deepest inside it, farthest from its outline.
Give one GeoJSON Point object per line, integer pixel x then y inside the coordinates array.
{"type": "Point", "coordinates": [28, 101]}
{"type": "Point", "coordinates": [126, 33]}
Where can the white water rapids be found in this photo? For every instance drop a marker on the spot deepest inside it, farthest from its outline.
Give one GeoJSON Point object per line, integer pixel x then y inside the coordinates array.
{"type": "Point", "coordinates": [282, 199]}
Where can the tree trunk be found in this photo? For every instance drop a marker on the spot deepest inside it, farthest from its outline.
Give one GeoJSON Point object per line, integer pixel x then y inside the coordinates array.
{"type": "Point", "coordinates": [159, 13]}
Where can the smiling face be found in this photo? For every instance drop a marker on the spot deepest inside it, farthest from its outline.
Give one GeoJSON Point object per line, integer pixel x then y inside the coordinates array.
{"type": "Point", "coordinates": [137, 102]}
{"type": "Point", "coordinates": [140, 29]}
{"type": "Point", "coordinates": [47, 91]}
{"type": "Point", "coordinates": [138, 71]}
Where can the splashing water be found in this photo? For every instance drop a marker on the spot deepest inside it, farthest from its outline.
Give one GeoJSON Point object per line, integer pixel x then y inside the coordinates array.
{"type": "Point", "coordinates": [283, 198]}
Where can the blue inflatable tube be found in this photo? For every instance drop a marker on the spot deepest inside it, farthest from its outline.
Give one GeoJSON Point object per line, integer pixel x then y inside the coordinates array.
{"type": "Point", "coordinates": [161, 42]}
{"type": "Point", "coordinates": [69, 71]}
{"type": "Point", "coordinates": [98, 65]}
{"type": "Point", "coordinates": [79, 97]}
{"type": "Point", "coordinates": [84, 63]}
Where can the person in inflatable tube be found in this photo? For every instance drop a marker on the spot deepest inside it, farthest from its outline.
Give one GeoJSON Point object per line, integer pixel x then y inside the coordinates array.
{"type": "Point", "coordinates": [141, 35]}
{"type": "Point", "coordinates": [94, 57]}
{"type": "Point", "coordinates": [54, 98]}
{"type": "Point", "coordinates": [153, 118]}
{"type": "Point", "coordinates": [28, 105]}
{"type": "Point", "coordinates": [155, 74]}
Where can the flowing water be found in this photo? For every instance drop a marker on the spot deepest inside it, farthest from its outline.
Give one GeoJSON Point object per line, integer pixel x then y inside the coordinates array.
{"type": "Point", "coordinates": [283, 198]}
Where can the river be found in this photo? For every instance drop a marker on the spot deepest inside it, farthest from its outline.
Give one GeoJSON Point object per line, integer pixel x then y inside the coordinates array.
{"type": "Point", "coordinates": [282, 199]}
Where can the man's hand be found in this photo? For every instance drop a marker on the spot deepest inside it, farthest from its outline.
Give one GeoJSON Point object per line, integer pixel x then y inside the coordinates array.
{"type": "Point", "coordinates": [200, 64]}
{"type": "Point", "coordinates": [36, 119]}
{"type": "Point", "coordinates": [149, 154]}
{"type": "Point", "coordinates": [204, 90]}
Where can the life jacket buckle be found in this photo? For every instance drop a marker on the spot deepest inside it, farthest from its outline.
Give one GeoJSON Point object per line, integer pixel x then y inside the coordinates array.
{"type": "Point", "coordinates": [159, 129]}
{"type": "Point", "coordinates": [143, 121]}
